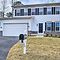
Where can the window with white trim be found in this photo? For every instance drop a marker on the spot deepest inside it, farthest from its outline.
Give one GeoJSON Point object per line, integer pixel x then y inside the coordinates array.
{"type": "Point", "coordinates": [49, 26]}
{"type": "Point", "coordinates": [40, 11]}
{"type": "Point", "coordinates": [57, 26]}
{"type": "Point", "coordinates": [33, 11]}
{"type": "Point", "coordinates": [57, 10]}
{"type": "Point", "coordinates": [49, 10]}
{"type": "Point", "coordinates": [17, 12]}
{"type": "Point", "coordinates": [25, 11]}
{"type": "Point", "coordinates": [0, 25]}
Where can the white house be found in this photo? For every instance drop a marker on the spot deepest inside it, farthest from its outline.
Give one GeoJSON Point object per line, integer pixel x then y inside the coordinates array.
{"type": "Point", "coordinates": [35, 19]}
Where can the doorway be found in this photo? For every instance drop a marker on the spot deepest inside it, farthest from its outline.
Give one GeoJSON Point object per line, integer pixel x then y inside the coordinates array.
{"type": "Point", "coordinates": [40, 27]}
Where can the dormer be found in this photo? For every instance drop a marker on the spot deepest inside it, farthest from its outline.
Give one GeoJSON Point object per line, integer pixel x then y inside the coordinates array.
{"type": "Point", "coordinates": [17, 4]}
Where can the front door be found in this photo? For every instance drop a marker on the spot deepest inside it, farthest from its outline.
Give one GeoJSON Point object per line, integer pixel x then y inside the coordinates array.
{"type": "Point", "coordinates": [40, 27]}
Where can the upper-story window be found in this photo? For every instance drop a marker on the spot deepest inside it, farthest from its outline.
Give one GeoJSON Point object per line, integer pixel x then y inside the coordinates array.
{"type": "Point", "coordinates": [53, 10]}
{"type": "Point", "coordinates": [57, 10]}
{"type": "Point", "coordinates": [29, 11]}
{"type": "Point", "coordinates": [17, 12]}
{"type": "Point", "coordinates": [21, 12]}
{"type": "Point", "coordinates": [36, 11]}
{"type": "Point", "coordinates": [40, 11]}
{"type": "Point", "coordinates": [49, 10]}
{"type": "Point", "coordinates": [33, 11]}
{"type": "Point", "coordinates": [45, 11]}
{"type": "Point", "coordinates": [25, 11]}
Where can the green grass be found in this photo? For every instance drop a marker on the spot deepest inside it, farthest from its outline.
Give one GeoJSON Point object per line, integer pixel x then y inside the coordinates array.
{"type": "Point", "coordinates": [38, 48]}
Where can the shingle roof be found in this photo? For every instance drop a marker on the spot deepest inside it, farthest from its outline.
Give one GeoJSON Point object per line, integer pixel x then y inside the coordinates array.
{"type": "Point", "coordinates": [33, 5]}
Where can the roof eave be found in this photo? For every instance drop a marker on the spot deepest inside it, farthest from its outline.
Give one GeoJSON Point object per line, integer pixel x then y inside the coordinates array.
{"type": "Point", "coordinates": [32, 5]}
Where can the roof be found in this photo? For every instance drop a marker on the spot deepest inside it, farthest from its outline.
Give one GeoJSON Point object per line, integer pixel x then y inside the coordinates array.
{"type": "Point", "coordinates": [33, 5]}
{"type": "Point", "coordinates": [17, 3]}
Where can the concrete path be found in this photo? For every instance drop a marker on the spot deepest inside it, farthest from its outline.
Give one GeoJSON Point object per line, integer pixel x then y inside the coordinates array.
{"type": "Point", "coordinates": [5, 44]}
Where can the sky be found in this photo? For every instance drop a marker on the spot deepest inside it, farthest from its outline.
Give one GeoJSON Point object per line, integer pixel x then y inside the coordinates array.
{"type": "Point", "coordinates": [38, 1]}
{"type": "Point", "coordinates": [8, 3]}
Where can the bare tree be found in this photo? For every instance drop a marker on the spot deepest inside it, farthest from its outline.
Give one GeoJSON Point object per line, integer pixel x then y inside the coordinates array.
{"type": "Point", "coordinates": [3, 6]}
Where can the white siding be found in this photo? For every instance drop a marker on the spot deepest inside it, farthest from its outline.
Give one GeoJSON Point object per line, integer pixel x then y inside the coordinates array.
{"type": "Point", "coordinates": [42, 19]}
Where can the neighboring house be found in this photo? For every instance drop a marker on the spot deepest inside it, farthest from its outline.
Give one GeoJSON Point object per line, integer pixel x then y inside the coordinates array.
{"type": "Point", "coordinates": [33, 19]}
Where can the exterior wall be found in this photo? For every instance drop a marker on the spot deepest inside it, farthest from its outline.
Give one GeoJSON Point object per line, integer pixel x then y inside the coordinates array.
{"type": "Point", "coordinates": [18, 21]}
{"type": "Point", "coordinates": [21, 21]}
{"type": "Point", "coordinates": [42, 19]}
{"type": "Point", "coordinates": [33, 22]}
{"type": "Point", "coordinates": [26, 8]}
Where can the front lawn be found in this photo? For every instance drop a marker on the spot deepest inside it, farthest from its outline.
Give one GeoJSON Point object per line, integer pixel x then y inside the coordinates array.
{"type": "Point", "coordinates": [38, 48]}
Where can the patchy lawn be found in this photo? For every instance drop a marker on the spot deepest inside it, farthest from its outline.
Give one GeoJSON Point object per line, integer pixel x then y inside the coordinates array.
{"type": "Point", "coordinates": [38, 48]}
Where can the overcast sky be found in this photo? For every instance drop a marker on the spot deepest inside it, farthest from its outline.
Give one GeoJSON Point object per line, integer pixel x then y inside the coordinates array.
{"type": "Point", "coordinates": [38, 1]}
{"type": "Point", "coordinates": [8, 2]}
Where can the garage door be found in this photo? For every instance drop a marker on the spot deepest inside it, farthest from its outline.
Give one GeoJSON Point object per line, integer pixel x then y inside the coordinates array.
{"type": "Point", "coordinates": [14, 29]}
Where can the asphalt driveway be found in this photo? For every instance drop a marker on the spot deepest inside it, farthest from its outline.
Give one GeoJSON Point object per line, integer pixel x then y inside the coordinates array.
{"type": "Point", "coordinates": [5, 44]}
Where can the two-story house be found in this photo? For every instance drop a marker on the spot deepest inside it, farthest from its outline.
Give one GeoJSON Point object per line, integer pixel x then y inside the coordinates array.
{"type": "Point", "coordinates": [35, 19]}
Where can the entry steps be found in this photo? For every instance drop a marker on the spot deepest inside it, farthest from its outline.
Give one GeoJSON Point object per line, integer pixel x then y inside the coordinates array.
{"type": "Point", "coordinates": [40, 35]}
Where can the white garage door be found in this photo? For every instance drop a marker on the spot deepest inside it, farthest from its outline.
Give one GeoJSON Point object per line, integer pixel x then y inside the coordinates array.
{"type": "Point", "coordinates": [14, 29]}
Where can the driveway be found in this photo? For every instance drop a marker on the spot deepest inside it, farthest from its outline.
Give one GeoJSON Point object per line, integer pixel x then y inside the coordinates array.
{"type": "Point", "coordinates": [5, 44]}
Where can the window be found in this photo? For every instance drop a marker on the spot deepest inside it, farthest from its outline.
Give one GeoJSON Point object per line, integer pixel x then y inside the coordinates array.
{"type": "Point", "coordinates": [0, 23]}
{"type": "Point", "coordinates": [25, 11]}
{"type": "Point", "coordinates": [49, 11]}
{"type": "Point", "coordinates": [45, 11]}
{"type": "Point", "coordinates": [53, 26]}
{"type": "Point", "coordinates": [45, 26]}
{"type": "Point", "coordinates": [33, 11]}
{"type": "Point", "coordinates": [17, 12]}
{"type": "Point", "coordinates": [53, 10]}
{"type": "Point", "coordinates": [57, 10]}
{"type": "Point", "coordinates": [40, 11]}
{"type": "Point", "coordinates": [21, 12]}
{"type": "Point", "coordinates": [36, 11]}
{"type": "Point", "coordinates": [29, 11]}
{"type": "Point", "coordinates": [48, 26]}
{"type": "Point", "coordinates": [57, 26]}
